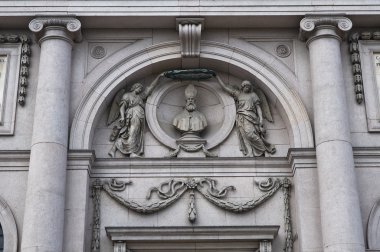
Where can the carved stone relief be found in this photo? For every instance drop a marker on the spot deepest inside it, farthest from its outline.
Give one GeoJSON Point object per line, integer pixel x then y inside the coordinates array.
{"type": "Point", "coordinates": [25, 42]}
{"type": "Point", "coordinates": [72, 24]}
{"type": "Point", "coordinates": [190, 123]}
{"type": "Point", "coordinates": [252, 108]}
{"type": "Point", "coordinates": [98, 52]}
{"type": "Point", "coordinates": [178, 130]}
{"type": "Point", "coordinates": [172, 190]}
{"type": "Point", "coordinates": [190, 36]}
{"type": "Point", "coordinates": [128, 109]}
{"type": "Point", "coordinates": [356, 67]}
{"type": "Point", "coordinates": [167, 102]}
{"type": "Point", "coordinates": [356, 61]}
{"type": "Point", "coordinates": [283, 51]}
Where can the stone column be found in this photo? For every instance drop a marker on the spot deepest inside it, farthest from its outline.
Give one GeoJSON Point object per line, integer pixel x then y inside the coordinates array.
{"type": "Point", "coordinates": [45, 198]}
{"type": "Point", "coordinates": [339, 201]}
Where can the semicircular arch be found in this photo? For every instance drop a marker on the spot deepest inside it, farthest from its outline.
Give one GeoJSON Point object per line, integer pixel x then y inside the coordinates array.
{"type": "Point", "coordinates": [9, 227]}
{"type": "Point", "coordinates": [105, 80]}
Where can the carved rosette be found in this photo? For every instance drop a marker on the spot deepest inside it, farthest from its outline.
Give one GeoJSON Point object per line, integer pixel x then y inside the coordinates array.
{"type": "Point", "coordinates": [98, 52]}
{"type": "Point", "coordinates": [335, 27]}
{"type": "Point", "coordinates": [283, 51]}
{"type": "Point", "coordinates": [72, 27]}
{"type": "Point", "coordinates": [190, 36]}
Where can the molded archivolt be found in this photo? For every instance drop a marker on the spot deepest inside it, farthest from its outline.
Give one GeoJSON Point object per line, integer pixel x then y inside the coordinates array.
{"type": "Point", "coordinates": [373, 228]}
{"type": "Point", "coordinates": [8, 224]}
{"type": "Point", "coordinates": [108, 77]}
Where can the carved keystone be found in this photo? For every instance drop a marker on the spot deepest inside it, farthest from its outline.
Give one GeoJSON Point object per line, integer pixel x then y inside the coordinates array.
{"type": "Point", "coordinates": [190, 36]}
{"type": "Point", "coordinates": [310, 24]}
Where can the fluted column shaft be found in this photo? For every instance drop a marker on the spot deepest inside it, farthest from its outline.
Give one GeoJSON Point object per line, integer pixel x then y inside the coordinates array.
{"type": "Point", "coordinates": [45, 198]}
{"type": "Point", "coordinates": [339, 202]}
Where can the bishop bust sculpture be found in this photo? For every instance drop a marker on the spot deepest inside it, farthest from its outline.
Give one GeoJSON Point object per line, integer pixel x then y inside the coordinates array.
{"type": "Point", "coordinates": [190, 123]}
{"type": "Point", "coordinates": [190, 120]}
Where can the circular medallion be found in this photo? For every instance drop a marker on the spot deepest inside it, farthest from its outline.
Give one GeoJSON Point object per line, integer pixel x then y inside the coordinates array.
{"type": "Point", "coordinates": [168, 100]}
{"type": "Point", "coordinates": [283, 51]}
{"type": "Point", "coordinates": [98, 52]}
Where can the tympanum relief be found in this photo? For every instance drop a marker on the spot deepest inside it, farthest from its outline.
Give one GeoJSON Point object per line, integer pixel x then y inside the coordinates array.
{"type": "Point", "coordinates": [128, 109]}
{"type": "Point", "coordinates": [252, 107]}
{"type": "Point", "coordinates": [192, 113]}
{"type": "Point", "coordinates": [190, 122]}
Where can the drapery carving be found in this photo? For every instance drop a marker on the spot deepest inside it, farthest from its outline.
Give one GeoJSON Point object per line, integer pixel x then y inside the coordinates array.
{"type": "Point", "coordinates": [170, 191]}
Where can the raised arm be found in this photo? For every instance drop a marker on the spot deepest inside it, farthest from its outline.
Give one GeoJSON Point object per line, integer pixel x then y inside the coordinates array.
{"type": "Point", "coordinates": [226, 87]}
{"type": "Point", "coordinates": [150, 88]}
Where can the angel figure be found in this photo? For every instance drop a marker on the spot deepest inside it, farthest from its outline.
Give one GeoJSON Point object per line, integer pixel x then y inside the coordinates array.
{"type": "Point", "coordinates": [252, 106]}
{"type": "Point", "coordinates": [128, 108]}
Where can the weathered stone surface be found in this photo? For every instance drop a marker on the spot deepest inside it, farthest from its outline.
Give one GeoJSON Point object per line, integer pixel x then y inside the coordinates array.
{"type": "Point", "coordinates": [69, 92]}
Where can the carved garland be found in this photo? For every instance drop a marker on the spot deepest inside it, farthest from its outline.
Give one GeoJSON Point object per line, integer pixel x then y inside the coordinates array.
{"type": "Point", "coordinates": [355, 60]}
{"type": "Point", "coordinates": [24, 61]}
{"type": "Point", "coordinates": [170, 191]}
{"type": "Point", "coordinates": [201, 147]}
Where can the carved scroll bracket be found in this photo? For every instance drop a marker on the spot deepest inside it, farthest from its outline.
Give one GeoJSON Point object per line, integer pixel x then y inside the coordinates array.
{"type": "Point", "coordinates": [190, 36]}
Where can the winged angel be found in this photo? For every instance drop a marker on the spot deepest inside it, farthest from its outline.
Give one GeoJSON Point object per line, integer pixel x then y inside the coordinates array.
{"type": "Point", "coordinates": [129, 109]}
{"type": "Point", "coordinates": [252, 107]}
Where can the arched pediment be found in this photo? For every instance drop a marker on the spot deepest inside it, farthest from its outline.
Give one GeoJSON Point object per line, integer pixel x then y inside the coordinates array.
{"type": "Point", "coordinates": [107, 78]}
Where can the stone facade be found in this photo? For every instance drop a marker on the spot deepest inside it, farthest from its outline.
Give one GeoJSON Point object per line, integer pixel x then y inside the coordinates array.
{"type": "Point", "coordinates": [275, 142]}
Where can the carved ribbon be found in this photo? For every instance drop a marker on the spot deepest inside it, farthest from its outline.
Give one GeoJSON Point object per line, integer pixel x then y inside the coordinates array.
{"type": "Point", "coordinates": [170, 191]}
{"type": "Point", "coordinates": [242, 207]}
{"type": "Point", "coordinates": [141, 208]}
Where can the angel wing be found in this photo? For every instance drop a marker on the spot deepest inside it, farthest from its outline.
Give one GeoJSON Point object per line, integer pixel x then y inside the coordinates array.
{"type": "Point", "coordinates": [115, 110]}
{"type": "Point", "coordinates": [264, 105]}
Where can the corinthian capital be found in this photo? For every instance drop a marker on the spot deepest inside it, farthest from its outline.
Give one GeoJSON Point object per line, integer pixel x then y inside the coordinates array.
{"type": "Point", "coordinates": [333, 26]}
{"type": "Point", "coordinates": [71, 25]}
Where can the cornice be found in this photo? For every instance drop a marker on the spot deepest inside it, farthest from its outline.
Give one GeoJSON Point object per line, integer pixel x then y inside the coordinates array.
{"type": "Point", "coordinates": [300, 158]}
{"type": "Point", "coordinates": [191, 167]}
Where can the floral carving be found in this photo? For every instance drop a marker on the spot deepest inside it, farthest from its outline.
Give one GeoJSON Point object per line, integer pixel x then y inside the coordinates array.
{"type": "Point", "coordinates": [24, 61]}
{"type": "Point", "coordinates": [98, 52]}
{"type": "Point", "coordinates": [283, 51]}
{"type": "Point", "coordinates": [96, 188]}
{"type": "Point", "coordinates": [355, 60]}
